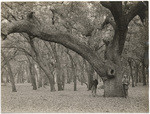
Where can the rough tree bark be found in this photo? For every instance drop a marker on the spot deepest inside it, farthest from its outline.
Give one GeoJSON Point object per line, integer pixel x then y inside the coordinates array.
{"type": "Point", "coordinates": [109, 70]}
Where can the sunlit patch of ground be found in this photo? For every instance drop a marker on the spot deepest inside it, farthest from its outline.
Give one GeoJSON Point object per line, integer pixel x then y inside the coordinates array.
{"type": "Point", "coordinates": [42, 100]}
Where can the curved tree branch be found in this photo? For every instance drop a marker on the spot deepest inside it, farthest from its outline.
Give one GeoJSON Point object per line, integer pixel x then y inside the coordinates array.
{"type": "Point", "coordinates": [138, 9]}
{"type": "Point", "coordinates": [33, 28]}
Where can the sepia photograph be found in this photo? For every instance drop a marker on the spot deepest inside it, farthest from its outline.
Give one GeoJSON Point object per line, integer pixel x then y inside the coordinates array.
{"type": "Point", "coordinates": [75, 57]}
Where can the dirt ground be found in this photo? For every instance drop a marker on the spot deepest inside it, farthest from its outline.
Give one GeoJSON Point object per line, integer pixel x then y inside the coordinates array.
{"type": "Point", "coordinates": [81, 101]}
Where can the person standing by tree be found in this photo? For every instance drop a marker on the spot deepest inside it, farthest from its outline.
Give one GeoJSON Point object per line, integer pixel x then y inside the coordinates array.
{"type": "Point", "coordinates": [94, 87]}
{"type": "Point", "coordinates": [125, 83]}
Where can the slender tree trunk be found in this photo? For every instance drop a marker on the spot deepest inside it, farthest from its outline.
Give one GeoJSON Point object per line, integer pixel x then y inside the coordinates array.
{"type": "Point", "coordinates": [7, 79]}
{"type": "Point", "coordinates": [41, 79]}
{"type": "Point", "coordinates": [147, 76]}
{"type": "Point", "coordinates": [136, 73]}
{"type": "Point", "coordinates": [131, 71]}
{"type": "Point", "coordinates": [33, 80]}
{"type": "Point", "coordinates": [63, 81]}
{"type": "Point", "coordinates": [68, 76]}
{"type": "Point", "coordinates": [40, 82]}
{"type": "Point", "coordinates": [82, 78]}
{"type": "Point", "coordinates": [21, 76]}
{"type": "Point", "coordinates": [90, 77]}
{"type": "Point", "coordinates": [143, 72]}
{"type": "Point", "coordinates": [75, 80]}
{"type": "Point", "coordinates": [73, 70]}
{"type": "Point", "coordinates": [73, 73]}
{"type": "Point", "coordinates": [59, 76]}
{"type": "Point", "coordinates": [140, 78]}
{"type": "Point", "coordinates": [2, 77]}
{"type": "Point", "coordinates": [43, 82]}
{"type": "Point", "coordinates": [18, 77]}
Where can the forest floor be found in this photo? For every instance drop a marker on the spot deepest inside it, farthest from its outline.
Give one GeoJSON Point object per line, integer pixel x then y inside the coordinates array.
{"type": "Point", "coordinates": [42, 100]}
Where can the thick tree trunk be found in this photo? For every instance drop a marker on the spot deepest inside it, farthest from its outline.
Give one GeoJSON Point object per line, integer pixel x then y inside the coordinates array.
{"type": "Point", "coordinates": [113, 84]}
{"type": "Point", "coordinates": [113, 87]}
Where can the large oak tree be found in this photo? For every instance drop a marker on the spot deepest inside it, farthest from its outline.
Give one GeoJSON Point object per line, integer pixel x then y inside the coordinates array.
{"type": "Point", "coordinates": [110, 69]}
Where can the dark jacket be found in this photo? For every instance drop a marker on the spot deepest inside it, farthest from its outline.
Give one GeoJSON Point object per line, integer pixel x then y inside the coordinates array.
{"type": "Point", "coordinates": [95, 83]}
